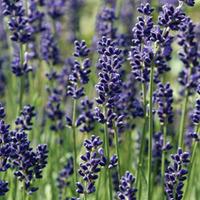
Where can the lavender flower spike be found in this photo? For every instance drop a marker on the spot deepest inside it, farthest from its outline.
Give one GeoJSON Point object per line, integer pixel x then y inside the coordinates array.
{"type": "Point", "coordinates": [127, 191]}
{"type": "Point", "coordinates": [175, 175]}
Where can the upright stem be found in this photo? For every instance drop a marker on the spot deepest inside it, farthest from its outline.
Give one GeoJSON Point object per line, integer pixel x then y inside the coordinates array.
{"type": "Point", "coordinates": [141, 153]}
{"type": "Point", "coordinates": [150, 132]}
{"type": "Point", "coordinates": [98, 186]}
{"type": "Point", "coordinates": [118, 152]}
{"type": "Point", "coordinates": [163, 154]}
{"type": "Point", "coordinates": [85, 196]}
{"type": "Point", "coordinates": [74, 141]}
{"type": "Point", "coordinates": [106, 137]}
{"type": "Point", "coordinates": [183, 118]}
{"type": "Point", "coordinates": [21, 87]}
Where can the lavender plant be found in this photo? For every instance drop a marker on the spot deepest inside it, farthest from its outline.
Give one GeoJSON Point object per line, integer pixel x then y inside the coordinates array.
{"type": "Point", "coordinates": [78, 122]}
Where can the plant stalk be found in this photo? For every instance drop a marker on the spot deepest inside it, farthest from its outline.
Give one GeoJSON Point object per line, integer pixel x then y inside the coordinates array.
{"type": "Point", "coordinates": [183, 118]}
{"type": "Point", "coordinates": [107, 174]}
{"type": "Point", "coordinates": [149, 194]}
{"type": "Point", "coordinates": [74, 142]}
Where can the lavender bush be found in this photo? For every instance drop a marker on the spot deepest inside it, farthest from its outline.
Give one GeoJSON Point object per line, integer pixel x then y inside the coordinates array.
{"type": "Point", "coordinates": [99, 100]}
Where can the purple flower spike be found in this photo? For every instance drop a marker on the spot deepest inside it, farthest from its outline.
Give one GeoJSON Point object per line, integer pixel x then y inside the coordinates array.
{"type": "Point", "coordinates": [196, 113]}
{"type": "Point", "coordinates": [126, 189]}
{"type": "Point", "coordinates": [93, 160]}
{"type": "Point", "coordinates": [176, 174]}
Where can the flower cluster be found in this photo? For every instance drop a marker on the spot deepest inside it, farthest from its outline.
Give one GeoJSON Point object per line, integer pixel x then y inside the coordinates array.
{"type": "Point", "coordinates": [190, 74]}
{"type": "Point", "coordinates": [196, 113]}
{"type": "Point", "coordinates": [80, 71]}
{"type": "Point", "coordinates": [86, 119]}
{"type": "Point", "coordinates": [54, 111]}
{"type": "Point", "coordinates": [2, 111]}
{"type": "Point", "coordinates": [18, 22]}
{"type": "Point", "coordinates": [36, 17]}
{"type": "Point", "coordinates": [5, 147]}
{"type": "Point", "coordinates": [127, 191]}
{"type": "Point", "coordinates": [63, 177]}
{"type": "Point", "coordinates": [93, 160]}
{"type": "Point", "coordinates": [27, 163]}
{"type": "Point", "coordinates": [141, 54]}
{"type": "Point", "coordinates": [164, 98]}
{"type": "Point", "coordinates": [104, 23]}
{"type": "Point", "coordinates": [175, 175]}
{"type": "Point", "coordinates": [110, 84]}
{"type": "Point", "coordinates": [24, 121]}
{"type": "Point", "coordinates": [3, 187]}
{"type": "Point", "coordinates": [49, 49]}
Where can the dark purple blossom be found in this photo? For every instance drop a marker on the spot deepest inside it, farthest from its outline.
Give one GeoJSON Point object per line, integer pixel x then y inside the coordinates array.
{"type": "Point", "coordinates": [20, 65]}
{"type": "Point", "coordinates": [113, 162]}
{"type": "Point", "coordinates": [92, 161]}
{"type": "Point", "coordinates": [110, 84]}
{"type": "Point", "coordinates": [27, 163]}
{"type": "Point", "coordinates": [54, 111]}
{"type": "Point", "coordinates": [80, 71]}
{"type": "Point", "coordinates": [171, 17]}
{"type": "Point", "coordinates": [189, 2]}
{"type": "Point", "coordinates": [2, 111]}
{"type": "Point", "coordinates": [176, 174]}
{"type": "Point", "coordinates": [56, 9]}
{"type": "Point", "coordinates": [49, 49]}
{"type": "Point", "coordinates": [63, 177]}
{"type": "Point", "coordinates": [104, 23]}
{"type": "Point", "coordinates": [190, 74]}
{"type": "Point", "coordinates": [126, 188]}
{"type": "Point", "coordinates": [73, 9]}
{"type": "Point", "coordinates": [5, 145]}
{"type": "Point", "coordinates": [24, 121]}
{"type": "Point", "coordinates": [18, 22]}
{"type": "Point", "coordinates": [36, 17]}
{"type": "Point", "coordinates": [164, 98]}
{"type": "Point", "coordinates": [196, 113]}
{"type": "Point", "coordinates": [141, 53]}
{"type": "Point", "coordinates": [3, 187]}
{"type": "Point", "coordinates": [86, 119]}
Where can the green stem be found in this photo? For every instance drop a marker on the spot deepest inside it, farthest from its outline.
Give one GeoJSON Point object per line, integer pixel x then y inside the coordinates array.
{"type": "Point", "coordinates": [119, 7]}
{"type": "Point", "coordinates": [21, 90]}
{"type": "Point", "coordinates": [118, 152]}
{"type": "Point", "coordinates": [85, 196]}
{"type": "Point", "coordinates": [183, 118]}
{"type": "Point", "coordinates": [163, 154]}
{"type": "Point", "coordinates": [149, 194]}
{"type": "Point", "coordinates": [98, 186]}
{"type": "Point", "coordinates": [108, 174]}
{"type": "Point", "coordinates": [141, 153]}
{"type": "Point", "coordinates": [23, 192]}
{"type": "Point", "coordinates": [192, 163]}
{"type": "Point", "coordinates": [129, 138]}
{"type": "Point", "coordinates": [74, 142]}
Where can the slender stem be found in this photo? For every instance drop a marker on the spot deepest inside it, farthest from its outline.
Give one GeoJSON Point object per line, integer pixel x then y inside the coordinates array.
{"type": "Point", "coordinates": [106, 137]}
{"type": "Point", "coordinates": [141, 153]}
{"type": "Point", "coordinates": [23, 192]}
{"type": "Point", "coordinates": [85, 196]}
{"type": "Point", "coordinates": [21, 90]}
{"type": "Point", "coordinates": [183, 118]}
{"type": "Point", "coordinates": [129, 138]}
{"type": "Point", "coordinates": [119, 7]}
{"type": "Point", "coordinates": [150, 132]}
{"type": "Point", "coordinates": [192, 163]}
{"type": "Point", "coordinates": [163, 154]}
{"type": "Point", "coordinates": [118, 152]}
{"type": "Point", "coordinates": [98, 186]}
{"type": "Point", "coordinates": [74, 141]}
